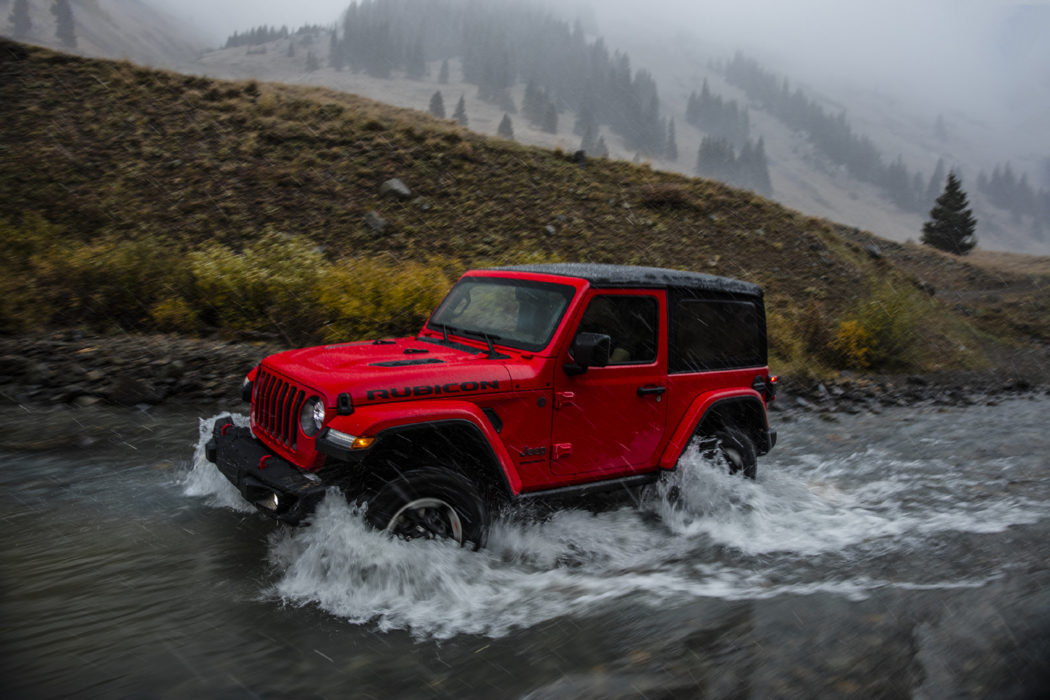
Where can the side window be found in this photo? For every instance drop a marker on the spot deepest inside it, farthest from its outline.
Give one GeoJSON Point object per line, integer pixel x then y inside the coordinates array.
{"type": "Point", "coordinates": [631, 321]}
{"type": "Point", "coordinates": [712, 334]}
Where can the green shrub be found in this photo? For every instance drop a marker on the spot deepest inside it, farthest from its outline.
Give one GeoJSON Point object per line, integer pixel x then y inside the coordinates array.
{"type": "Point", "coordinates": [799, 338]}
{"type": "Point", "coordinates": [882, 332]}
{"type": "Point", "coordinates": [108, 282]}
{"type": "Point", "coordinates": [20, 242]}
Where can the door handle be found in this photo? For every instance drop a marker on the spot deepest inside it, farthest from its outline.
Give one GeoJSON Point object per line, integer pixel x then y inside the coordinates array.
{"type": "Point", "coordinates": [651, 390]}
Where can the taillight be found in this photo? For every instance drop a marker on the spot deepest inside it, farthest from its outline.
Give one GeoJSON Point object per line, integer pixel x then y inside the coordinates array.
{"type": "Point", "coordinates": [767, 386]}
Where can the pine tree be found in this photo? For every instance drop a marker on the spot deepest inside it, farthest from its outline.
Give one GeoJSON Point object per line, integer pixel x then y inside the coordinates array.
{"type": "Point", "coordinates": [589, 140]}
{"type": "Point", "coordinates": [443, 73]}
{"type": "Point", "coordinates": [64, 29]}
{"type": "Point", "coordinates": [416, 64]}
{"type": "Point", "coordinates": [21, 25]}
{"type": "Point", "coordinates": [437, 105]}
{"type": "Point", "coordinates": [312, 63]}
{"type": "Point", "coordinates": [506, 129]}
{"type": "Point", "coordinates": [671, 148]}
{"type": "Point", "coordinates": [336, 59]}
{"type": "Point", "coordinates": [716, 160]}
{"type": "Point", "coordinates": [460, 115]}
{"type": "Point", "coordinates": [952, 225]}
{"type": "Point", "coordinates": [600, 149]}
{"type": "Point", "coordinates": [534, 104]}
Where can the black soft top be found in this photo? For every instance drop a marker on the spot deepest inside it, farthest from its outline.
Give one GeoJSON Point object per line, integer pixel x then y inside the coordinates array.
{"type": "Point", "coordinates": [614, 276]}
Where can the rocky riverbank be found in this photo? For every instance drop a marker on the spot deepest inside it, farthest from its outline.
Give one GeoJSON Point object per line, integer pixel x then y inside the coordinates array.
{"type": "Point", "coordinates": [79, 369]}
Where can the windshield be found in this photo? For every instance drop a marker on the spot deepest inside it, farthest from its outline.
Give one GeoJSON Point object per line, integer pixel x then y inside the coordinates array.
{"type": "Point", "coordinates": [515, 313]}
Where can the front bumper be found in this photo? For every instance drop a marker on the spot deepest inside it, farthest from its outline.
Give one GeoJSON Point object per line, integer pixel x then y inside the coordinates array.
{"type": "Point", "coordinates": [273, 485]}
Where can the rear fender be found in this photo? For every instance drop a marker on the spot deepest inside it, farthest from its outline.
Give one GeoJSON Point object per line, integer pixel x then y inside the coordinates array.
{"type": "Point", "coordinates": [386, 421]}
{"type": "Point", "coordinates": [703, 406]}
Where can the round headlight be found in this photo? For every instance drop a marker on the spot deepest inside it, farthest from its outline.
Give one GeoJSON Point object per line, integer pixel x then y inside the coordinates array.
{"type": "Point", "coordinates": [311, 418]}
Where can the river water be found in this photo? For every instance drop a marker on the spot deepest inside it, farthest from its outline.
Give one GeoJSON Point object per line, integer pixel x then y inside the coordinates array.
{"type": "Point", "coordinates": [903, 554]}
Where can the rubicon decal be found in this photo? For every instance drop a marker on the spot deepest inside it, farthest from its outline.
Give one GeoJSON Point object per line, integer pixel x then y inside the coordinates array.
{"type": "Point", "coordinates": [432, 390]}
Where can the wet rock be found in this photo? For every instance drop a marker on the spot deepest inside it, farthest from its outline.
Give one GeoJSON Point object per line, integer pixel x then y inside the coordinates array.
{"type": "Point", "coordinates": [132, 391]}
{"type": "Point", "coordinates": [13, 365]}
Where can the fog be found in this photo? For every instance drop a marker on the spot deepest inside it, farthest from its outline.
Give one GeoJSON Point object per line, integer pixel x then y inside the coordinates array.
{"type": "Point", "coordinates": [989, 56]}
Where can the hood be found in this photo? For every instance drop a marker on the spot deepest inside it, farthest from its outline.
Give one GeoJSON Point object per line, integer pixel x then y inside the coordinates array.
{"type": "Point", "coordinates": [391, 370]}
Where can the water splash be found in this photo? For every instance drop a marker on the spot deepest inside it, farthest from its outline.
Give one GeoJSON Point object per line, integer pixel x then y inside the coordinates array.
{"type": "Point", "coordinates": [699, 532]}
{"type": "Point", "coordinates": [204, 478]}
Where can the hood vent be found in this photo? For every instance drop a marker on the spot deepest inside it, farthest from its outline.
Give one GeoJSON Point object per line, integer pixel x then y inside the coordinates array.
{"type": "Point", "coordinates": [408, 363]}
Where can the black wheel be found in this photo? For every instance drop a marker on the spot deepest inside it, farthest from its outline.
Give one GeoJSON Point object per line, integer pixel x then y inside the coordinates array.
{"type": "Point", "coordinates": [431, 503]}
{"type": "Point", "coordinates": [735, 447]}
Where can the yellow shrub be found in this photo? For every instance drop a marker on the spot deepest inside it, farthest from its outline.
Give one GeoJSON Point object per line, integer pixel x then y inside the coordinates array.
{"type": "Point", "coordinates": [364, 298]}
{"type": "Point", "coordinates": [853, 344]}
{"type": "Point", "coordinates": [174, 314]}
{"type": "Point", "coordinates": [271, 286]}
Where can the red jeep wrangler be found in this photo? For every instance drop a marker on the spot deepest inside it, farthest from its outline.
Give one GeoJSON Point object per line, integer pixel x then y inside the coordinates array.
{"type": "Point", "coordinates": [539, 380]}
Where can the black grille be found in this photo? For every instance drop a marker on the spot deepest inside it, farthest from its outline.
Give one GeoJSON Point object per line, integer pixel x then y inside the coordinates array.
{"type": "Point", "coordinates": [275, 408]}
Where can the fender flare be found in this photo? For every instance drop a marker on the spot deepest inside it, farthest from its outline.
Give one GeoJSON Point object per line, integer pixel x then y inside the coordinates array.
{"type": "Point", "coordinates": [392, 418]}
{"type": "Point", "coordinates": [697, 411]}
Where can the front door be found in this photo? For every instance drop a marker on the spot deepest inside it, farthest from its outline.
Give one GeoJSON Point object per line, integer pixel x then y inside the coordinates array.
{"type": "Point", "coordinates": [611, 419]}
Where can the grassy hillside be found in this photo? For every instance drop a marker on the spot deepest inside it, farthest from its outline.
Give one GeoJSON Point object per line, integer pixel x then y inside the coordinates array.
{"type": "Point", "coordinates": [135, 199]}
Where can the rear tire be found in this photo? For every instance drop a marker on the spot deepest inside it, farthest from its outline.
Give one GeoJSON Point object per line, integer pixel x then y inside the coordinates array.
{"type": "Point", "coordinates": [431, 503]}
{"type": "Point", "coordinates": [735, 447]}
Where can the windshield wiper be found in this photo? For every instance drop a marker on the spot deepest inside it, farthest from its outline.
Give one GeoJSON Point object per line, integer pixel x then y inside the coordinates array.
{"type": "Point", "coordinates": [487, 337]}
{"type": "Point", "coordinates": [445, 328]}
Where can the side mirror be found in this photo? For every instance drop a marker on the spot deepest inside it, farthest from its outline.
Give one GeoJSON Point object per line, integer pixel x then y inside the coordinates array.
{"type": "Point", "coordinates": [589, 350]}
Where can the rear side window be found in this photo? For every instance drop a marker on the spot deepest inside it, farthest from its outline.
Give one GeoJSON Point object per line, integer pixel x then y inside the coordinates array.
{"type": "Point", "coordinates": [712, 334]}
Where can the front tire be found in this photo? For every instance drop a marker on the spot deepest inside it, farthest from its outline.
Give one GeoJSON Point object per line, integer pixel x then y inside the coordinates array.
{"type": "Point", "coordinates": [734, 446]}
{"type": "Point", "coordinates": [431, 503]}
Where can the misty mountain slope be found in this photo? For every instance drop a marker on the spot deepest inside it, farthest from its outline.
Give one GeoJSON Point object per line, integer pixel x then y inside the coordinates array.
{"type": "Point", "coordinates": [483, 116]}
{"type": "Point", "coordinates": [115, 29]}
{"type": "Point", "coordinates": [802, 178]}
{"type": "Point", "coordinates": [129, 161]}
{"type": "Point", "coordinates": [992, 108]}
{"type": "Point", "coordinates": [919, 129]}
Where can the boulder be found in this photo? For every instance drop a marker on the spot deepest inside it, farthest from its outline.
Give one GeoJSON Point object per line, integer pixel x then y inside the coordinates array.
{"type": "Point", "coordinates": [395, 189]}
